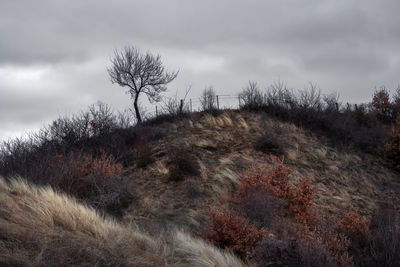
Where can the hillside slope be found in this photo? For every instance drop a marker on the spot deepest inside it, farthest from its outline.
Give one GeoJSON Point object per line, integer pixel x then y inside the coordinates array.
{"type": "Point", "coordinates": [224, 147]}
{"type": "Point", "coordinates": [41, 227]}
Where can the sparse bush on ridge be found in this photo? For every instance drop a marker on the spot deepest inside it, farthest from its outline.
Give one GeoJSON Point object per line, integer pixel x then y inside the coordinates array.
{"type": "Point", "coordinates": [208, 99]}
{"type": "Point", "coordinates": [251, 96]}
{"type": "Point", "coordinates": [323, 114]}
{"type": "Point", "coordinates": [381, 105]}
{"type": "Point", "coordinates": [90, 132]}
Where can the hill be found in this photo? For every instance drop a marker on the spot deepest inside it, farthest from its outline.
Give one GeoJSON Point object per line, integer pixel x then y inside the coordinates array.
{"type": "Point", "coordinates": [173, 181]}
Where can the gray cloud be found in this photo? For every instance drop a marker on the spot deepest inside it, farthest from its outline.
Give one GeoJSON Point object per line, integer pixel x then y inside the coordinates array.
{"type": "Point", "coordinates": [53, 53]}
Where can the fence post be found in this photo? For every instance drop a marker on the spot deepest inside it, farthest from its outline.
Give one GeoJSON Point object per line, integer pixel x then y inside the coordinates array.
{"type": "Point", "coordinates": [239, 100]}
{"type": "Point", "coordinates": [156, 111]}
{"type": "Point", "coordinates": [191, 107]}
{"type": "Point", "coordinates": [337, 107]}
{"type": "Point", "coordinates": [181, 106]}
{"type": "Point", "coordinates": [217, 102]}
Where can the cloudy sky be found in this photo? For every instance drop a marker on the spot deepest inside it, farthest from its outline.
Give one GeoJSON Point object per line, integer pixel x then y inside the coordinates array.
{"type": "Point", "coordinates": [54, 53]}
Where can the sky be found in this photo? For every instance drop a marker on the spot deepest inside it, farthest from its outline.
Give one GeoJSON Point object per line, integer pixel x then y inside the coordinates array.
{"type": "Point", "coordinates": [54, 53]}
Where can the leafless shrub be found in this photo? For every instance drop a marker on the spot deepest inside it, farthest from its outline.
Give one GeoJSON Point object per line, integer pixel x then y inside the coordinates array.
{"type": "Point", "coordinates": [208, 99]}
{"type": "Point", "coordinates": [310, 98]}
{"type": "Point", "coordinates": [251, 96]}
{"type": "Point", "coordinates": [332, 103]}
{"type": "Point", "coordinates": [279, 95]}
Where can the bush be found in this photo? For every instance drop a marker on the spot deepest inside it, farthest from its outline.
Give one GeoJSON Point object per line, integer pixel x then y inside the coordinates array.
{"type": "Point", "coordinates": [335, 246]}
{"type": "Point", "coordinates": [321, 247]}
{"type": "Point", "coordinates": [323, 115]}
{"type": "Point", "coordinates": [208, 99]}
{"type": "Point", "coordinates": [251, 97]}
{"type": "Point", "coordinates": [92, 132]}
{"type": "Point", "coordinates": [181, 164]}
{"type": "Point", "coordinates": [393, 146]}
{"type": "Point", "coordinates": [96, 180]}
{"type": "Point", "coordinates": [381, 105]}
{"type": "Point", "coordinates": [274, 180]}
{"type": "Point", "coordinates": [354, 226]}
{"type": "Point", "coordinates": [229, 231]}
{"type": "Point", "coordinates": [383, 244]}
{"type": "Point", "coordinates": [269, 144]}
{"type": "Point", "coordinates": [192, 190]}
{"type": "Point", "coordinates": [260, 207]}
{"type": "Point", "coordinates": [143, 153]}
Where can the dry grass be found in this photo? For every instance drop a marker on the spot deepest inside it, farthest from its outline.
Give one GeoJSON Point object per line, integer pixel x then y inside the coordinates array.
{"type": "Point", "coordinates": [196, 252]}
{"type": "Point", "coordinates": [224, 148]}
{"type": "Point", "coordinates": [39, 227]}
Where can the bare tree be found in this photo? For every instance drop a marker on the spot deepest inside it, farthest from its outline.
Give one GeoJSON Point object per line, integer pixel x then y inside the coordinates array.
{"type": "Point", "coordinates": [142, 73]}
{"type": "Point", "coordinates": [208, 99]}
{"type": "Point", "coordinates": [251, 96]}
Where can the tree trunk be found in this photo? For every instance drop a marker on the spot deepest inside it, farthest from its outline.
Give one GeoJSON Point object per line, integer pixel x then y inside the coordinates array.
{"type": "Point", "coordinates": [135, 105]}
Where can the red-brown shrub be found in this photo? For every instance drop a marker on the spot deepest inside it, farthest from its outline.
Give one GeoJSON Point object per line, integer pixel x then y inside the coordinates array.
{"type": "Point", "coordinates": [354, 226]}
{"type": "Point", "coordinates": [95, 180]}
{"type": "Point", "coordinates": [393, 146]}
{"type": "Point", "coordinates": [230, 231]}
{"type": "Point", "coordinates": [78, 173]}
{"type": "Point", "coordinates": [301, 201]}
{"type": "Point", "coordinates": [274, 180]}
{"type": "Point", "coordinates": [381, 105]}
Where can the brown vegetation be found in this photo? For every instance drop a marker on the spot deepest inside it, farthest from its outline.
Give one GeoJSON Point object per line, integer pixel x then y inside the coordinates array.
{"type": "Point", "coordinates": [232, 232]}
{"type": "Point", "coordinates": [274, 180]}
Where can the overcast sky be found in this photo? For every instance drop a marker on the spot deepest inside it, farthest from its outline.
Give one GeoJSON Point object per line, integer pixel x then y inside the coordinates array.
{"type": "Point", "coordinates": [54, 53]}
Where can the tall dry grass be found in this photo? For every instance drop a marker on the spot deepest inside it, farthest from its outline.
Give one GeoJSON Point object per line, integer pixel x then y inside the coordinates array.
{"type": "Point", "coordinates": [40, 227]}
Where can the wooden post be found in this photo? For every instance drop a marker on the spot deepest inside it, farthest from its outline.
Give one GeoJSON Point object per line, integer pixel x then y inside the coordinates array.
{"type": "Point", "coordinates": [337, 107]}
{"type": "Point", "coordinates": [191, 107]}
{"type": "Point", "coordinates": [239, 100]}
{"type": "Point", "coordinates": [156, 112]}
{"type": "Point", "coordinates": [217, 102]}
{"type": "Point", "coordinates": [181, 106]}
